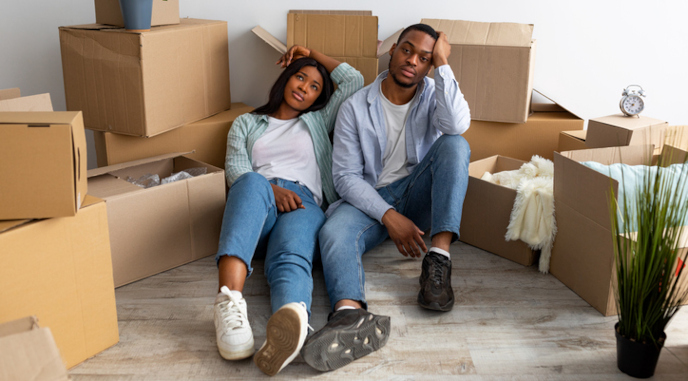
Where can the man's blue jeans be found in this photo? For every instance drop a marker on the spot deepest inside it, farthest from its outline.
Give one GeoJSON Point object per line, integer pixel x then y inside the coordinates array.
{"type": "Point", "coordinates": [252, 221]}
{"type": "Point", "coordinates": [431, 196]}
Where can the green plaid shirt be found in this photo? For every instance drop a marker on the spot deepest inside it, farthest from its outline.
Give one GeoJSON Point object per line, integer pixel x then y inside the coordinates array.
{"type": "Point", "coordinates": [247, 128]}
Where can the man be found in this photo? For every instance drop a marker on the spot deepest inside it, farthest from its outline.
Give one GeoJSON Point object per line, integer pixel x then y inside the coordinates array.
{"type": "Point", "coordinates": [400, 166]}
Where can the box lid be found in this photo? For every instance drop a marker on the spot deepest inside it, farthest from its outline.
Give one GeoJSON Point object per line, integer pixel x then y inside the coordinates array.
{"type": "Point", "coordinates": [39, 118]}
{"type": "Point", "coordinates": [630, 123]}
{"type": "Point", "coordinates": [115, 167]}
{"type": "Point", "coordinates": [483, 33]}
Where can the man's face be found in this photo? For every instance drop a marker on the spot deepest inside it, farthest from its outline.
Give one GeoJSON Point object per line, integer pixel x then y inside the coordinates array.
{"type": "Point", "coordinates": [411, 59]}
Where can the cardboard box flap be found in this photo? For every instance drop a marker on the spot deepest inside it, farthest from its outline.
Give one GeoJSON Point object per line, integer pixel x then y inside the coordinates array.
{"type": "Point", "coordinates": [549, 107]}
{"type": "Point", "coordinates": [576, 134]}
{"type": "Point", "coordinates": [627, 122]}
{"type": "Point", "coordinates": [40, 102]}
{"type": "Point", "coordinates": [18, 326]}
{"type": "Point", "coordinates": [115, 167]}
{"type": "Point", "coordinates": [270, 39]}
{"type": "Point", "coordinates": [39, 118]}
{"type": "Point", "coordinates": [632, 155]}
{"type": "Point", "coordinates": [388, 42]}
{"type": "Point", "coordinates": [336, 35]}
{"type": "Point", "coordinates": [10, 93]}
{"type": "Point", "coordinates": [331, 12]}
{"type": "Point", "coordinates": [483, 33]}
{"type": "Point", "coordinates": [673, 155]}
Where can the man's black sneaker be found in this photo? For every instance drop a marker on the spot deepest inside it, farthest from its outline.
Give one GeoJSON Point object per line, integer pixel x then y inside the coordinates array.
{"type": "Point", "coordinates": [348, 335]}
{"type": "Point", "coordinates": [435, 283]}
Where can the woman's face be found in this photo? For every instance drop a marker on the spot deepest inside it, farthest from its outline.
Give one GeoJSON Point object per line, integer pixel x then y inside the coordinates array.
{"type": "Point", "coordinates": [303, 88]}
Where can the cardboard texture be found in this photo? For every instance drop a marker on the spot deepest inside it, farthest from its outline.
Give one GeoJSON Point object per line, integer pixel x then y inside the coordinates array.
{"type": "Point", "coordinates": [334, 33]}
{"type": "Point", "coordinates": [572, 140]}
{"type": "Point", "coordinates": [143, 84]}
{"type": "Point", "coordinates": [42, 164]}
{"type": "Point", "coordinates": [620, 130]}
{"type": "Point", "coordinates": [10, 93]}
{"type": "Point", "coordinates": [60, 270]}
{"type": "Point", "coordinates": [494, 64]}
{"type": "Point", "coordinates": [487, 211]}
{"type": "Point", "coordinates": [538, 136]}
{"type": "Point", "coordinates": [165, 12]}
{"type": "Point", "coordinates": [28, 352]}
{"type": "Point", "coordinates": [40, 102]}
{"type": "Point", "coordinates": [207, 137]}
{"type": "Point", "coordinates": [156, 229]}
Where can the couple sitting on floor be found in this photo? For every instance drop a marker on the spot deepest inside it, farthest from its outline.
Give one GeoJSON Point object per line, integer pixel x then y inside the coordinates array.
{"type": "Point", "coordinates": [398, 163]}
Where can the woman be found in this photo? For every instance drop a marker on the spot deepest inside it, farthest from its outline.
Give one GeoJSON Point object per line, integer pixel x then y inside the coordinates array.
{"type": "Point", "coordinates": [279, 167]}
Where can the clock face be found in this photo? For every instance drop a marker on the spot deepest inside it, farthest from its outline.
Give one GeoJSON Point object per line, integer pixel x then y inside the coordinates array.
{"type": "Point", "coordinates": [633, 105]}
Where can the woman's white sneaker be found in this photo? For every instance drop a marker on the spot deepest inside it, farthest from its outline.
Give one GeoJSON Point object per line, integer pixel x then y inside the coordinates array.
{"type": "Point", "coordinates": [285, 334]}
{"type": "Point", "coordinates": [233, 332]}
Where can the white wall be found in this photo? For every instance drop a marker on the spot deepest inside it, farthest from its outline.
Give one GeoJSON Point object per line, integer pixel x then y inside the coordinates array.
{"type": "Point", "coordinates": [588, 51]}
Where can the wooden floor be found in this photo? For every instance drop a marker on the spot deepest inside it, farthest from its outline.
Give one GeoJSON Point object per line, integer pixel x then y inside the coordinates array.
{"type": "Point", "coordinates": [509, 323]}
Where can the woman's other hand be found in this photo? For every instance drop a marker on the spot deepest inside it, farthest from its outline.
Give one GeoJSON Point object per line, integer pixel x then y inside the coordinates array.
{"type": "Point", "coordinates": [286, 200]}
{"type": "Point", "coordinates": [294, 53]}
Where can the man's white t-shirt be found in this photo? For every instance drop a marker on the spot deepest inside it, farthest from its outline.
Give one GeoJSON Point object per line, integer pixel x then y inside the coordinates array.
{"type": "Point", "coordinates": [394, 160]}
{"type": "Point", "coordinates": [285, 151]}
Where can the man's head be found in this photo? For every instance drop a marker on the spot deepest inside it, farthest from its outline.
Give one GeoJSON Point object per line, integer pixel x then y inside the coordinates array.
{"type": "Point", "coordinates": [411, 55]}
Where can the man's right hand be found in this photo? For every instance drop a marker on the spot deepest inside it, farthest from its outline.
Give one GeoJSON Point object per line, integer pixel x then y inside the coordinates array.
{"type": "Point", "coordinates": [404, 233]}
{"type": "Point", "coordinates": [441, 51]}
{"type": "Point", "coordinates": [286, 200]}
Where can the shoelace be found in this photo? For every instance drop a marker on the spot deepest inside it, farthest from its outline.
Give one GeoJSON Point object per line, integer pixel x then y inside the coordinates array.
{"type": "Point", "coordinates": [232, 315]}
{"type": "Point", "coordinates": [437, 270]}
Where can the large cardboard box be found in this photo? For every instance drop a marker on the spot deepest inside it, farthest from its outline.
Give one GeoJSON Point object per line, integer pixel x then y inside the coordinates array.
{"type": "Point", "coordinates": [42, 164]}
{"type": "Point", "coordinates": [165, 12]}
{"type": "Point", "coordinates": [207, 138]}
{"type": "Point", "coordinates": [619, 130]}
{"type": "Point", "coordinates": [572, 140]}
{"type": "Point", "coordinates": [538, 136]}
{"type": "Point", "coordinates": [143, 84]}
{"type": "Point", "coordinates": [494, 65]}
{"type": "Point", "coordinates": [60, 271]}
{"type": "Point", "coordinates": [487, 211]}
{"type": "Point", "coordinates": [28, 352]}
{"type": "Point", "coordinates": [583, 252]}
{"type": "Point", "coordinates": [158, 228]}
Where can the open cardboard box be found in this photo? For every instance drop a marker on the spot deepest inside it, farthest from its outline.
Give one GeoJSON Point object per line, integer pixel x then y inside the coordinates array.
{"type": "Point", "coordinates": [620, 130]}
{"type": "Point", "coordinates": [158, 228]}
{"type": "Point", "coordinates": [143, 84]}
{"type": "Point", "coordinates": [487, 211]}
{"type": "Point", "coordinates": [165, 12]}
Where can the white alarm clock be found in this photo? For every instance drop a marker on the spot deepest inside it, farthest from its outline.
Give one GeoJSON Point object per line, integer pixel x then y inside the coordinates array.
{"type": "Point", "coordinates": [631, 103]}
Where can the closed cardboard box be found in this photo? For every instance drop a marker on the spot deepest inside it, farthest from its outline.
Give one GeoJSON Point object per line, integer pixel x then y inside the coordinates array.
{"type": "Point", "coordinates": [60, 271]}
{"type": "Point", "coordinates": [165, 12]}
{"type": "Point", "coordinates": [42, 164]}
{"type": "Point", "coordinates": [207, 138]}
{"type": "Point", "coordinates": [487, 211]}
{"type": "Point", "coordinates": [143, 84]}
{"type": "Point", "coordinates": [158, 228]}
{"type": "Point", "coordinates": [572, 140]}
{"type": "Point", "coordinates": [28, 352]}
{"type": "Point", "coordinates": [620, 130]}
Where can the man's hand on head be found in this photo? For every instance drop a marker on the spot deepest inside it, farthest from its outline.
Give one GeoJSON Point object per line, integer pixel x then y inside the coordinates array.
{"type": "Point", "coordinates": [404, 233]}
{"type": "Point", "coordinates": [441, 51]}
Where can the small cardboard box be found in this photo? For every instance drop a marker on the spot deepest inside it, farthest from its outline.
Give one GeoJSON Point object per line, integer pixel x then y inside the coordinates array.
{"type": "Point", "coordinates": [494, 65]}
{"type": "Point", "coordinates": [207, 137]}
{"type": "Point", "coordinates": [143, 84]}
{"type": "Point", "coordinates": [538, 136]}
{"type": "Point", "coordinates": [42, 164]}
{"type": "Point", "coordinates": [487, 211]}
{"type": "Point", "coordinates": [28, 352]}
{"type": "Point", "coordinates": [619, 130]}
{"type": "Point", "coordinates": [158, 228]}
{"type": "Point", "coordinates": [165, 12]}
{"type": "Point", "coordinates": [572, 140]}
{"type": "Point", "coordinates": [60, 270]}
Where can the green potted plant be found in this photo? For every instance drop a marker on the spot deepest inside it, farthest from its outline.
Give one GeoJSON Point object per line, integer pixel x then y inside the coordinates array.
{"type": "Point", "coordinates": [648, 217]}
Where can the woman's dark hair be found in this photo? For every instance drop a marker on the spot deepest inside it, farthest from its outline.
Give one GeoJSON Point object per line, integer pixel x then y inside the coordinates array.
{"type": "Point", "coordinates": [277, 91]}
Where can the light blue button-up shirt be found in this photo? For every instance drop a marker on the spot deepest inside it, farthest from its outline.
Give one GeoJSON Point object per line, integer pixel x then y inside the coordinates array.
{"type": "Point", "coordinates": [360, 136]}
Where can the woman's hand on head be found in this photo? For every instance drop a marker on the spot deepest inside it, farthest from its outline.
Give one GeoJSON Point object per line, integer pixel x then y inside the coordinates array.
{"type": "Point", "coordinates": [286, 200]}
{"type": "Point", "coordinates": [294, 53]}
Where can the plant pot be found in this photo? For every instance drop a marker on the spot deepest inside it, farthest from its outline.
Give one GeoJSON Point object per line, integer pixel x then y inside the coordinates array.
{"type": "Point", "coordinates": [137, 14]}
{"type": "Point", "coordinates": [637, 359]}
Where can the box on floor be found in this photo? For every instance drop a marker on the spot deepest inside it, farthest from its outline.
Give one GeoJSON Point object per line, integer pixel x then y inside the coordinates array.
{"type": "Point", "coordinates": [583, 252]}
{"type": "Point", "coordinates": [42, 164]}
{"type": "Point", "coordinates": [487, 212]}
{"type": "Point", "coordinates": [165, 12]}
{"type": "Point", "coordinates": [620, 130]}
{"type": "Point", "coordinates": [60, 271]}
{"type": "Point", "coordinates": [207, 138]}
{"type": "Point", "coordinates": [538, 136]}
{"type": "Point", "coordinates": [494, 65]}
{"type": "Point", "coordinates": [28, 352]}
{"type": "Point", "coordinates": [158, 228]}
{"type": "Point", "coordinates": [143, 84]}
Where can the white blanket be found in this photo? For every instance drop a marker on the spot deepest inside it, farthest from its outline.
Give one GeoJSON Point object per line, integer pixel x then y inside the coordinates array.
{"type": "Point", "coordinates": [532, 217]}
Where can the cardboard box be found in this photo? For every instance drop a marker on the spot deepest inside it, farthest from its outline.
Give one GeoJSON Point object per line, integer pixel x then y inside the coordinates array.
{"type": "Point", "coordinates": [538, 136]}
{"type": "Point", "coordinates": [494, 65]}
{"type": "Point", "coordinates": [572, 140]}
{"type": "Point", "coordinates": [42, 164]}
{"type": "Point", "coordinates": [487, 211]}
{"type": "Point", "coordinates": [143, 84]}
{"type": "Point", "coordinates": [619, 130]}
{"type": "Point", "coordinates": [60, 270]}
{"type": "Point", "coordinates": [10, 93]}
{"type": "Point", "coordinates": [156, 229]}
{"type": "Point", "coordinates": [165, 12]}
{"type": "Point", "coordinates": [40, 102]}
{"type": "Point", "coordinates": [28, 352]}
{"type": "Point", "coordinates": [207, 137]}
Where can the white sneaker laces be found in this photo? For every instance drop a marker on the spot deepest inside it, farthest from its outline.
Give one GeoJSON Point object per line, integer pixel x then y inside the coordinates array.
{"type": "Point", "coordinates": [232, 315]}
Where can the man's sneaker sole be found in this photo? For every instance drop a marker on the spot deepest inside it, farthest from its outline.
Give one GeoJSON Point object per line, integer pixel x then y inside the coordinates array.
{"type": "Point", "coordinates": [434, 305]}
{"type": "Point", "coordinates": [282, 341]}
{"type": "Point", "coordinates": [336, 348]}
{"type": "Point", "coordinates": [238, 354]}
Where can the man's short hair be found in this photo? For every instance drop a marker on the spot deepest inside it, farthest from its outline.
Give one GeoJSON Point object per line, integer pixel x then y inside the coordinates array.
{"type": "Point", "coordinates": [427, 29]}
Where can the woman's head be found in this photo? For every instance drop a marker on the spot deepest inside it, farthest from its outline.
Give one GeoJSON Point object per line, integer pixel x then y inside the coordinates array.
{"type": "Point", "coordinates": [305, 86]}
